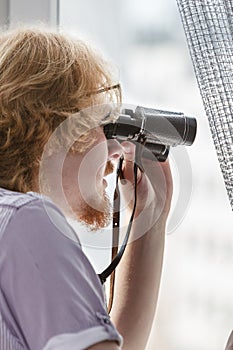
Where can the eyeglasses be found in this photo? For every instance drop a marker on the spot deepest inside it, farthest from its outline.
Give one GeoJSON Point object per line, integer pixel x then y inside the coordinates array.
{"type": "Point", "coordinates": [107, 88]}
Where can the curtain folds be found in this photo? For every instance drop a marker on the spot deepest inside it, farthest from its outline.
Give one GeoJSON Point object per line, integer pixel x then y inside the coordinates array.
{"type": "Point", "coordinates": [208, 26]}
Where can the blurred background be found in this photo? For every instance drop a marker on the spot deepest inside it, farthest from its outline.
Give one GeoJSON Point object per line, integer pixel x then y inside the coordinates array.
{"type": "Point", "coordinates": [145, 41]}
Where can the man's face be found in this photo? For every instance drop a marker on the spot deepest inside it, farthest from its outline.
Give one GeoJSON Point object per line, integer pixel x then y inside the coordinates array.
{"type": "Point", "coordinates": [84, 184]}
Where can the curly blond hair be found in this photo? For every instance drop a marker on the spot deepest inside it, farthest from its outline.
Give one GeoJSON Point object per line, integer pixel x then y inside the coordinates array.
{"type": "Point", "coordinates": [45, 77]}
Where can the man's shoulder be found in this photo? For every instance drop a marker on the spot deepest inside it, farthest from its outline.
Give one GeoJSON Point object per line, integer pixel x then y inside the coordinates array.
{"type": "Point", "coordinates": [31, 210]}
{"type": "Point", "coordinates": [10, 202]}
{"type": "Point", "coordinates": [13, 199]}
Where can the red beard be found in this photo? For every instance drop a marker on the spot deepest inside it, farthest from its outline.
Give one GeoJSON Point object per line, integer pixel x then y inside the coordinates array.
{"type": "Point", "coordinates": [93, 218]}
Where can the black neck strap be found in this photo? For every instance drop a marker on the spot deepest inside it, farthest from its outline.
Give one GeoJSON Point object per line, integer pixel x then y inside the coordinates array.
{"type": "Point", "coordinates": [117, 255]}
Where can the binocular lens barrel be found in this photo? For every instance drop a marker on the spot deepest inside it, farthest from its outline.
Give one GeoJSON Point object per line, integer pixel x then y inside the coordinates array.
{"type": "Point", "coordinates": [156, 126]}
{"type": "Point", "coordinates": [169, 128]}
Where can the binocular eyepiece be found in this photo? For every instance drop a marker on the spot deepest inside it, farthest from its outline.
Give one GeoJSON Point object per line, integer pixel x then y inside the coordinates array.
{"type": "Point", "coordinates": [156, 129]}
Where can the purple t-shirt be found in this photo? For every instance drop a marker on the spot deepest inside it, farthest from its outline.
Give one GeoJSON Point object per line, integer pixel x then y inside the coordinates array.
{"type": "Point", "coordinates": [50, 296]}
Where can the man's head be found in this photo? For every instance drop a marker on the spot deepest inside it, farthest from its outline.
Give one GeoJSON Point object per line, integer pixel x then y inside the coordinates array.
{"type": "Point", "coordinates": [44, 78]}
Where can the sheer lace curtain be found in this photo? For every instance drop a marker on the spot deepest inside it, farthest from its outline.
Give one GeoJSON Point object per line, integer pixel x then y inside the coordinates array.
{"type": "Point", "coordinates": [208, 27]}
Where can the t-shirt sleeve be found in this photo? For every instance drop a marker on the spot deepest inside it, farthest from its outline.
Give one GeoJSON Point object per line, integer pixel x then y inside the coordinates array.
{"type": "Point", "coordinates": [51, 290]}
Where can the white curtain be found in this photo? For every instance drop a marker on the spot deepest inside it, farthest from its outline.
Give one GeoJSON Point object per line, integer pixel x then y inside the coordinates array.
{"type": "Point", "coordinates": [208, 27]}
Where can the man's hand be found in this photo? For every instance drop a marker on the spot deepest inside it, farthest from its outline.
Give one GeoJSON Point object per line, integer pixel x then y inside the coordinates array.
{"type": "Point", "coordinates": [154, 188]}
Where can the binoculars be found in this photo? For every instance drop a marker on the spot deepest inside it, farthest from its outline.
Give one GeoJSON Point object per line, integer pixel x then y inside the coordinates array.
{"type": "Point", "coordinates": [156, 129]}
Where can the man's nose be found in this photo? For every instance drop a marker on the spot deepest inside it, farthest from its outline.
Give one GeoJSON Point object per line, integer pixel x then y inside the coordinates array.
{"type": "Point", "coordinates": [115, 149]}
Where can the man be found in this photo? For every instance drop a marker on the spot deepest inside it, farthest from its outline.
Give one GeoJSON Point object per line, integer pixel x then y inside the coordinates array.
{"type": "Point", "coordinates": [50, 296]}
